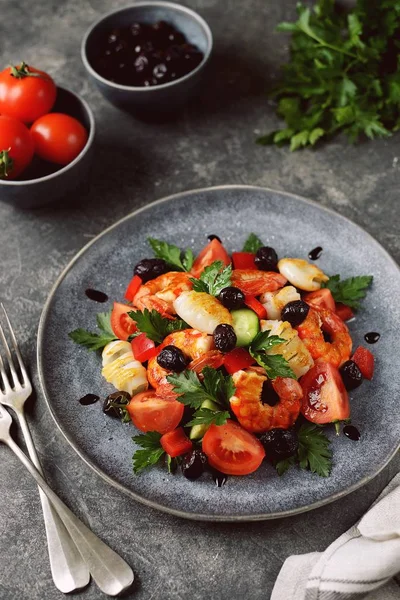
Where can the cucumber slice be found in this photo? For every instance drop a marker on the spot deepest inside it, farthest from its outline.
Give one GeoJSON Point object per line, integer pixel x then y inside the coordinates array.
{"type": "Point", "coordinates": [246, 325]}
{"type": "Point", "coordinates": [197, 431]}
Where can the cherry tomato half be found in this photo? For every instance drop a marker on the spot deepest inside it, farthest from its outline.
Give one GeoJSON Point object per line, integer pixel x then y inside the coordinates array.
{"type": "Point", "coordinates": [143, 348]}
{"type": "Point", "coordinates": [243, 260]}
{"type": "Point", "coordinates": [325, 398]}
{"type": "Point", "coordinates": [121, 323]}
{"type": "Point", "coordinates": [320, 299]}
{"type": "Point", "coordinates": [237, 359]}
{"type": "Point", "coordinates": [212, 252]}
{"type": "Point", "coordinates": [16, 147]}
{"type": "Point", "coordinates": [26, 93]}
{"type": "Point", "coordinates": [150, 412]}
{"type": "Point", "coordinates": [232, 450]}
{"type": "Point", "coordinates": [58, 138]}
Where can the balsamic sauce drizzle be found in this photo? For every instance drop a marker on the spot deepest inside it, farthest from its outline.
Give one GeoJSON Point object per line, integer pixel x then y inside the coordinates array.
{"type": "Point", "coordinates": [96, 295]}
{"type": "Point", "coordinates": [89, 399]}
{"type": "Point", "coordinates": [372, 337]}
{"type": "Point", "coordinates": [315, 253]}
{"type": "Point", "coordinates": [352, 432]}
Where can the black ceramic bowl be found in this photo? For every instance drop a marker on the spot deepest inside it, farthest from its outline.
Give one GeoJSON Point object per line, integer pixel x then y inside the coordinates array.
{"type": "Point", "coordinates": [158, 99]}
{"type": "Point", "coordinates": [43, 182]}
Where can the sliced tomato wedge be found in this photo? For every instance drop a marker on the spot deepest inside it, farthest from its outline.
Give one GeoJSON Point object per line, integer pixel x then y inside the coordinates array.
{"type": "Point", "coordinates": [212, 252]}
{"type": "Point", "coordinates": [232, 450]}
{"type": "Point", "coordinates": [237, 359]}
{"type": "Point", "coordinates": [243, 260]}
{"type": "Point", "coordinates": [176, 442]}
{"type": "Point", "coordinates": [143, 348]}
{"type": "Point", "coordinates": [365, 361]}
{"type": "Point", "coordinates": [325, 398]}
{"type": "Point", "coordinates": [150, 412]}
{"type": "Point", "coordinates": [255, 305]}
{"type": "Point", "coordinates": [343, 311]}
{"type": "Point", "coordinates": [133, 287]}
{"type": "Point", "coordinates": [320, 299]}
{"type": "Point", "coordinates": [121, 323]}
{"type": "Point", "coordinates": [212, 358]}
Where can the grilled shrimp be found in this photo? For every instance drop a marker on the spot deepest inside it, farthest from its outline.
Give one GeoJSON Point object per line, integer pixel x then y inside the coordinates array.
{"type": "Point", "coordinates": [302, 274]}
{"type": "Point", "coordinates": [273, 302]}
{"type": "Point", "coordinates": [312, 329]}
{"type": "Point", "coordinates": [257, 417]}
{"type": "Point", "coordinates": [201, 311]}
{"type": "Point", "coordinates": [160, 293]}
{"type": "Point", "coordinates": [122, 370]}
{"type": "Point", "coordinates": [257, 282]}
{"type": "Point", "coordinates": [293, 349]}
{"type": "Point", "coordinates": [194, 345]}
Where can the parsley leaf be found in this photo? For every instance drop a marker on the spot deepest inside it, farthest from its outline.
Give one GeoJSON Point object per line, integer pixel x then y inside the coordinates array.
{"type": "Point", "coordinates": [349, 291]}
{"type": "Point", "coordinates": [313, 453]}
{"type": "Point", "coordinates": [174, 256]}
{"type": "Point", "coordinates": [213, 279]}
{"type": "Point", "coordinates": [154, 325]}
{"type": "Point", "coordinates": [192, 392]}
{"type": "Point", "coordinates": [275, 365]}
{"type": "Point", "coordinates": [252, 244]}
{"type": "Point", "coordinates": [151, 450]}
{"type": "Point", "coordinates": [95, 341]}
{"type": "Point", "coordinates": [206, 416]}
{"type": "Point", "coordinates": [342, 76]}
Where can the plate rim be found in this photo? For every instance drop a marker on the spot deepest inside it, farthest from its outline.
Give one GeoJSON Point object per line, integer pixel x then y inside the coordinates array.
{"type": "Point", "coordinates": [151, 503]}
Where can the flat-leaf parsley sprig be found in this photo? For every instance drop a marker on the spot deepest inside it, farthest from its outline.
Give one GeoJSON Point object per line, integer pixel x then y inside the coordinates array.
{"type": "Point", "coordinates": [95, 341]}
{"type": "Point", "coordinates": [151, 450]}
{"type": "Point", "coordinates": [181, 260]}
{"type": "Point", "coordinates": [213, 279]}
{"type": "Point", "coordinates": [275, 365]}
{"type": "Point", "coordinates": [313, 454]}
{"type": "Point", "coordinates": [154, 325]}
{"type": "Point", "coordinates": [349, 291]}
{"type": "Point", "coordinates": [252, 244]}
{"type": "Point", "coordinates": [215, 386]}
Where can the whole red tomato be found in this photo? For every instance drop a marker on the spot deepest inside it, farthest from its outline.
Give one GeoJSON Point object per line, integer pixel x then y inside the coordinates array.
{"type": "Point", "coordinates": [26, 93]}
{"type": "Point", "coordinates": [16, 147]}
{"type": "Point", "coordinates": [58, 138]}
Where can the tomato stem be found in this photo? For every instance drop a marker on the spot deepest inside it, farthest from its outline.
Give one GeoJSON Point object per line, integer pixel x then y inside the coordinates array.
{"type": "Point", "coordinates": [6, 163]}
{"type": "Point", "coordinates": [22, 70]}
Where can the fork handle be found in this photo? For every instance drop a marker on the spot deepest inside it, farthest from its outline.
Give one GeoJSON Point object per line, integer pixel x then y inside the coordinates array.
{"type": "Point", "coordinates": [68, 568]}
{"type": "Point", "coordinates": [110, 572]}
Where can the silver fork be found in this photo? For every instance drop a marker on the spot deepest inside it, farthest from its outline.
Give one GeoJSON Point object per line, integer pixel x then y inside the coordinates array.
{"type": "Point", "coordinates": [75, 551]}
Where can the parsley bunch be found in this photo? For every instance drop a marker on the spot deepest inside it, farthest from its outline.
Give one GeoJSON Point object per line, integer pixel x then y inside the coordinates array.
{"type": "Point", "coordinates": [343, 74]}
{"type": "Point", "coordinates": [180, 260]}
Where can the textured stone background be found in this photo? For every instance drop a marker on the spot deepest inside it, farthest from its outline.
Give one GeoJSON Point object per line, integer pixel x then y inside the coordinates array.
{"type": "Point", "coordinates": [212, 143]}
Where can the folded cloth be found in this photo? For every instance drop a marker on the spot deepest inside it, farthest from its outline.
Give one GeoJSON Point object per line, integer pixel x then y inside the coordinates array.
{"type": "Point", "coordinates": [359, 564]}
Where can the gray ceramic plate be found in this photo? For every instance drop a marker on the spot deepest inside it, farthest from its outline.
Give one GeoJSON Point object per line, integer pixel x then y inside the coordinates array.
{"type": "Point", "coordinates": [293, 226]}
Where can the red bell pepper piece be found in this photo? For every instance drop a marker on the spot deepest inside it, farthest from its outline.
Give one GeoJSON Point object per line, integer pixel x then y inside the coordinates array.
{"type": "Point", "coordinates": [343, 311]}
{"type": "Point", "coordinates": [133, 288]}
{"type": "Point", "coordinates": [243, 260]}
{"type": "Point", "coordinates": [255, 305]}
{"type": "Point", "coordinates": [176, 442]}
{"type": "Point", "coordinates": [237, 359]}
{"type": "Point", "coordinates": [364, 360]}
{"type": "Point", "coordinates": [143, 348]}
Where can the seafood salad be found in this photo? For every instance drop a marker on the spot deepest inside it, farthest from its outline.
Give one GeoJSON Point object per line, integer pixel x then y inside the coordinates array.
{"type": "Point", "coordinates": [224, 360]}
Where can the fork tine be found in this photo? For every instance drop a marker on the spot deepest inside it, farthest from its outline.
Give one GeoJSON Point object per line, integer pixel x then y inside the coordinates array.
{"type": "Point", "coordinates": [4, 377]}
{"type": "Point", "coordinates": [9, 358]}
{"type": "Point", "coordinates": [16, 348]}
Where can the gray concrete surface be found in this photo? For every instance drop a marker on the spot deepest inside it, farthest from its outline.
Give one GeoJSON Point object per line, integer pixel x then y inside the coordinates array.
{"type": "Point", "coordinates": [211, 143]}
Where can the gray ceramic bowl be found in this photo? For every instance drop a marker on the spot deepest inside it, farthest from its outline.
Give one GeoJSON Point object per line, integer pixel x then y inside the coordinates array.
{"type": "Point", "coordinates": [159, 99]}
{"type": "Point", "coordinates": [42, 182]}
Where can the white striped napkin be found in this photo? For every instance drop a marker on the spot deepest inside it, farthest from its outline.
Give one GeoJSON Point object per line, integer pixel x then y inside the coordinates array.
{"type": "Point", "coordinates": [359, 564]}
